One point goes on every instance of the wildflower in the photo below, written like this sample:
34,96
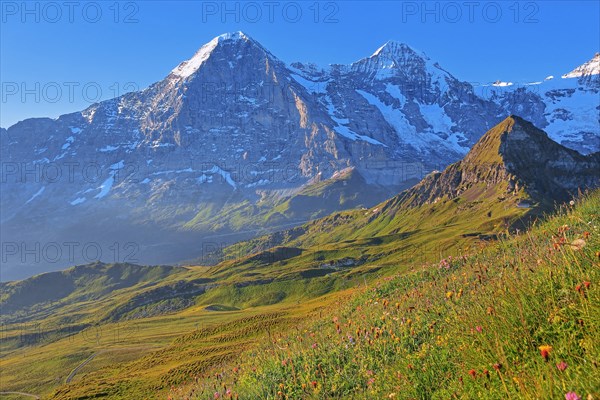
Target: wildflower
314,384
473,373
449,295
314,345
562,366
572,396
572,203
586,284
303,386
478,328
586,234
217,395
497,366
545,351
486,373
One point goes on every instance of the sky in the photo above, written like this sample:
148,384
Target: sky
58,57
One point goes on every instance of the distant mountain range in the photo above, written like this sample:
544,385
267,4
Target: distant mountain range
234,143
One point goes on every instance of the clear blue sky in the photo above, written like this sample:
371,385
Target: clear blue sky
91,45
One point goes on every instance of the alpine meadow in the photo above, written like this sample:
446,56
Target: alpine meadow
243,225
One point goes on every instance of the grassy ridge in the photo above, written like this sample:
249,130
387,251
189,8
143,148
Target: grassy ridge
516,319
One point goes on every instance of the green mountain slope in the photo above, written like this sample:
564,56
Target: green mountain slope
187,320
517,319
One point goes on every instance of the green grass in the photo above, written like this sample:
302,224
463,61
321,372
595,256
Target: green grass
263,295
471,327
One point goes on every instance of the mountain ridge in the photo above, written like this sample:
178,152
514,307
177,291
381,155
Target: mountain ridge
519,153
501,183
243,126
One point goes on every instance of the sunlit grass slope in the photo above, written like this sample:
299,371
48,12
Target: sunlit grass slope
516,319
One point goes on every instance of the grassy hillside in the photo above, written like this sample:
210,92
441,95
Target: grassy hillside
403,326
137,348
275,324
516,319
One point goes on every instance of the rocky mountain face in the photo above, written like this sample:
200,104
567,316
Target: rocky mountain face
223,146
518,159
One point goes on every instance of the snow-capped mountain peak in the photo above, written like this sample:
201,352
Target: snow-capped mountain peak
394,49
591,67
189,67
393,58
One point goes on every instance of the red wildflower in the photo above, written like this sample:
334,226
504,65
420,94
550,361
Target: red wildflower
545,351
473,373
562,366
